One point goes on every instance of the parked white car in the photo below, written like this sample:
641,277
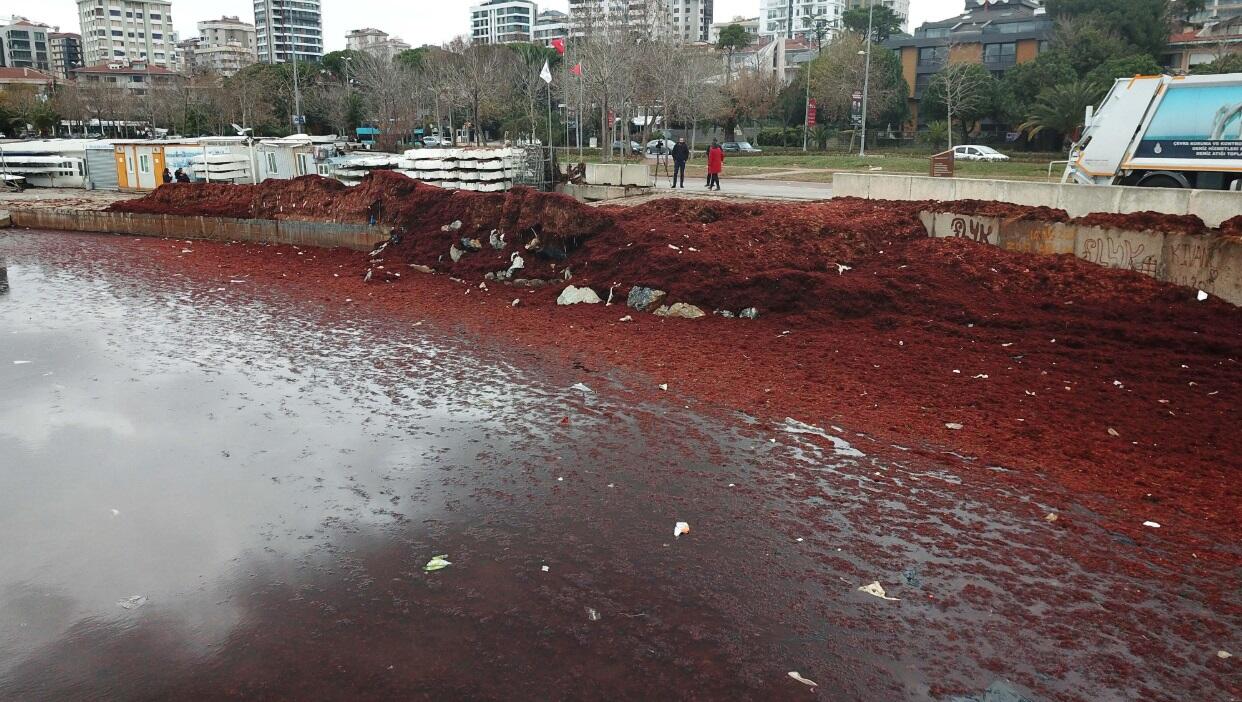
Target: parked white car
971,152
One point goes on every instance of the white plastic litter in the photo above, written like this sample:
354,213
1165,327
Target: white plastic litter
583,388
877,590
1113,432
593,615
20,363
1224,654
664,386
437,563
545,569
627,318
1202,296
953,425
1151,524
797,676
680,528
132,602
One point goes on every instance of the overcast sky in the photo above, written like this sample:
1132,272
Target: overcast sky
417,21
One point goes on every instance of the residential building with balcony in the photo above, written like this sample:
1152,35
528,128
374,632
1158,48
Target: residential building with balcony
24,44
375,42
652,18
503,22
799,18
23,78
692,19
133,30
224,46
66,50
549,25
137,77
750,24
1193,47
285,29
998,34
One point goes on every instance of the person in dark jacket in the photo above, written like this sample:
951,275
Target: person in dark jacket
681,154
168,176
715,164
182,176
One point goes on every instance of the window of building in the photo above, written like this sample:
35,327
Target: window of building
931,55
1000,53
144,163
271,162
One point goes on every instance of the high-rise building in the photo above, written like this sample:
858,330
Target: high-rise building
793,18
24,44
901,8
285,28
66,50
375,42
133,30
549,25
692,19
503,21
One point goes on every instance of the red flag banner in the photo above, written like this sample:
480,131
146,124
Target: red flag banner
576,70
559,45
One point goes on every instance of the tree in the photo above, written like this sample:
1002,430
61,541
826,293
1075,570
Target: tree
732,38
1143,24
751,96
1024,82
480,79
884,22
963,93
1061,109
1106,73
838,72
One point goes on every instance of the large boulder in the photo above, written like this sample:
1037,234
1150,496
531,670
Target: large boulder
643,299
574,295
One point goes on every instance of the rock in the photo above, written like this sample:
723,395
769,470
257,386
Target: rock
422,269
643,299
456,253
680,310
574,295
724,313
456,225
530,282
471,245
532,244
749,313
497,239
489,276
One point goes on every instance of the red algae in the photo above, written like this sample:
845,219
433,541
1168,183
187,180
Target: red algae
1119,387
1145,221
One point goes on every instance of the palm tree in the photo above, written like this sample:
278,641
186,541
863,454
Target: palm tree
1061,109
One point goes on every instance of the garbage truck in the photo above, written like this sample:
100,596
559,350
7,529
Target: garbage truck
1163,132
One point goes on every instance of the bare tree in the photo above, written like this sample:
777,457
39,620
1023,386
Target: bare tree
480,79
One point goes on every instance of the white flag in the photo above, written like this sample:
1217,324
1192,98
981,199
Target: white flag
546,73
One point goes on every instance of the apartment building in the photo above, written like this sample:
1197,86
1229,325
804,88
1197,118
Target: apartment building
134,30
66,50
692,19
799,18
24,44
645,17
750,24
503,21
224,47
999,36
375,42
549,25
288,28
137,77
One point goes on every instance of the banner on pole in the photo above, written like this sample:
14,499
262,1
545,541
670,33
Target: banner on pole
811,112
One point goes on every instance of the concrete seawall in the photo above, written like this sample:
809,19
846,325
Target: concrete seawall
1207,262
1212,206
359,237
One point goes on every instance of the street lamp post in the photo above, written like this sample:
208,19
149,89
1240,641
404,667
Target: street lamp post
821,27
867,75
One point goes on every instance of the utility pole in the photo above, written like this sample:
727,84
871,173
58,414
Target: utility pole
297,93
867,75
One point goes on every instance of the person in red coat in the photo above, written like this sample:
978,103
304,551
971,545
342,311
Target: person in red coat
715,163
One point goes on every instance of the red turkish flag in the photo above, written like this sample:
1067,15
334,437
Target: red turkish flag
576,70
559,45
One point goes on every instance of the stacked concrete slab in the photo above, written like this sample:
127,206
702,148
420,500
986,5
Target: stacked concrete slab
481,170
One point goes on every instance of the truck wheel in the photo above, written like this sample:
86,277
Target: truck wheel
1163,180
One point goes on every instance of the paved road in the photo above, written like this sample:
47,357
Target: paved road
757,188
